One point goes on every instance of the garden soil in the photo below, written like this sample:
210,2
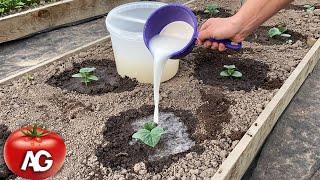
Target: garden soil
97,121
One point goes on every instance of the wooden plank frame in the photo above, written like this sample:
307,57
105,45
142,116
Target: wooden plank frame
242,155
53,15
240,158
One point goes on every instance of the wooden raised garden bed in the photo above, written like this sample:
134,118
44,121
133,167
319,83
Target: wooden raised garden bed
225,121
53,15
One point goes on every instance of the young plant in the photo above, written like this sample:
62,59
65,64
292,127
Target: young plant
86,75
230,71
150,134
29,77
278,31
309,7
212,9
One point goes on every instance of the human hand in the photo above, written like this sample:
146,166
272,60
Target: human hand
220,28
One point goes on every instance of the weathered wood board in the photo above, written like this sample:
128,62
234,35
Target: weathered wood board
22,24
54,15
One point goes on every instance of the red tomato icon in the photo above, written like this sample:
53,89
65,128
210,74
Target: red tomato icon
34,153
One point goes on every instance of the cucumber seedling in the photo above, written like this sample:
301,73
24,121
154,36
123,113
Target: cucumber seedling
212,9
309,7
150,134
278,31
230,71
86,75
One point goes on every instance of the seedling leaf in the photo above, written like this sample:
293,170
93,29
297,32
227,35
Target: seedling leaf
282,29
149,137
224,74
93,77
286,35
237,74
77,75
86,75
212,9
230,70
229,66
87,70
278,31
309,8
274,32
149,125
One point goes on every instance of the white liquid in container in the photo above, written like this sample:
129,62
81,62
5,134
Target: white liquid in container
173,38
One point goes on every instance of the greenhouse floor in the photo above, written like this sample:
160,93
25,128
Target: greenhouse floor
292,151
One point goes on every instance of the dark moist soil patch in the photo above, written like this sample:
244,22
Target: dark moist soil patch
118,132
213,113
210,64
203,15
5,173
116,153
109,79
236,135
261,36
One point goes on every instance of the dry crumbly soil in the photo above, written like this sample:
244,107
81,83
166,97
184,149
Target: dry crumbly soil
216,112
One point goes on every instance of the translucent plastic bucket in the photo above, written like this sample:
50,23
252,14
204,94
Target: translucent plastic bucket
133,59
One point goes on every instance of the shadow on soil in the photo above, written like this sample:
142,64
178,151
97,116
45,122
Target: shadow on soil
209,65
117,150
260,36
5,173
109,80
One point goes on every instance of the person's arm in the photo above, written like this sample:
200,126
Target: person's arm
250,16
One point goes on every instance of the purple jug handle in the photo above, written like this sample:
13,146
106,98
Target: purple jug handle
228,43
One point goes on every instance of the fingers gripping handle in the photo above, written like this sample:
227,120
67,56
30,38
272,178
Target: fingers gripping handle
228,43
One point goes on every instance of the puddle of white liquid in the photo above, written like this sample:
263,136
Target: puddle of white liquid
173,37
175,140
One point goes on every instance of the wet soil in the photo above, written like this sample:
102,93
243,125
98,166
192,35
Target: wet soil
109,79
118,133
261,36
209,65
5,173
213,113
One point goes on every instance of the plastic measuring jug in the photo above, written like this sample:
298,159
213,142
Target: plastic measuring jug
172,13
125,24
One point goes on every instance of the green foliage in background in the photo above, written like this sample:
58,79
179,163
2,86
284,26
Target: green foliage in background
8,5
212,9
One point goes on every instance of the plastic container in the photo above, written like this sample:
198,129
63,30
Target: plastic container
133,59
172,13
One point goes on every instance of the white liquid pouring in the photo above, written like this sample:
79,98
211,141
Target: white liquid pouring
173,37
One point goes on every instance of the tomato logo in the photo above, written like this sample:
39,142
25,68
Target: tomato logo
34,153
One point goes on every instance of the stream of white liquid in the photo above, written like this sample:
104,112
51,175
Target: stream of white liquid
173,37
